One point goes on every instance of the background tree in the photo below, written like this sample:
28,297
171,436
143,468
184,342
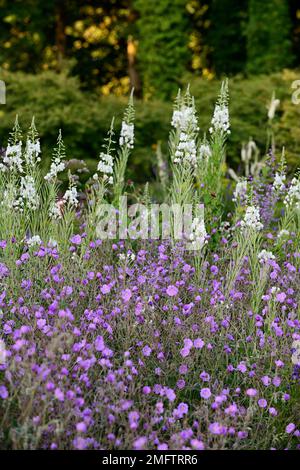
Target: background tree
269,43
200,25
163,34
227,36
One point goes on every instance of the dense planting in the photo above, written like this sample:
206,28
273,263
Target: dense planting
145,343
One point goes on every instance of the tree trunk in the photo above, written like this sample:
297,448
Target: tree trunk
60,37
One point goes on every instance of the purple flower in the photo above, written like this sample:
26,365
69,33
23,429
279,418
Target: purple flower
205,376
3,244
205,393
184,352
266,380
198,343
3,392
81,427
181,410
172,291
281,297
76,239
105,289
99,343
162,446
59,394
273,411
290,428
262,403
4,271
170,394
217,428
197,445
146,351
140,443
251,392
126,295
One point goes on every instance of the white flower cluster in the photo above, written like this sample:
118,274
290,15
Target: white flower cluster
57,166
127,135
35,240
128,257
71,196
106,166
296,352
55,211
32,152
279,182
240,191
28,194
283,234
186,150
220,120
13,158
198,233
293,195
52,243
185,119
204,152
264,256
252,219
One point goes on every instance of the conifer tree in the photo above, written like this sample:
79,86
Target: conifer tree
163,52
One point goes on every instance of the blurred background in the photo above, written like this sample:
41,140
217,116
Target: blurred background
72,64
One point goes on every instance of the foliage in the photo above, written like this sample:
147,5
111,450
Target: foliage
163,38
269,42
228,53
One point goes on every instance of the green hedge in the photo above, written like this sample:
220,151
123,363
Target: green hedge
57,101
249,102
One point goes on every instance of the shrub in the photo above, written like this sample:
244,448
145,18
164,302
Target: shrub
58,102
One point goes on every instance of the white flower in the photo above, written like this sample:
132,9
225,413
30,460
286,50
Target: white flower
264,256
274,290
198,233
128,257
185,119
127,135
28,194
55,211
293,196
186,150
52,243
13,157
33,149
106,166
252,219
2,352
57,166
220,120
204,152
283,233
35,240
279,182
71,196
240,191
